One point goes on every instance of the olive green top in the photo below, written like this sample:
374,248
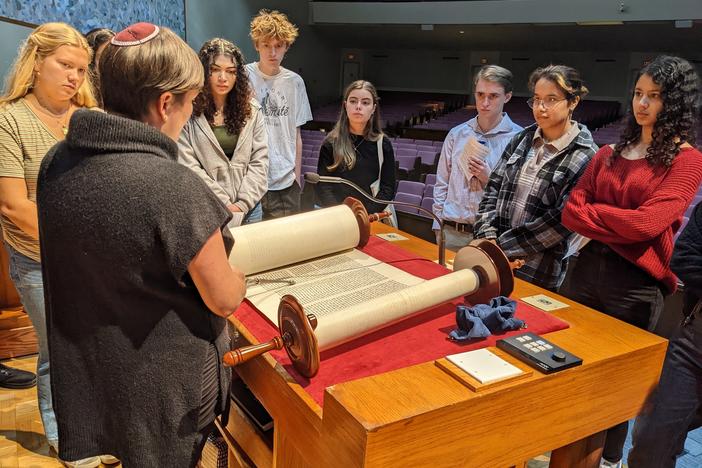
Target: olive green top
225,139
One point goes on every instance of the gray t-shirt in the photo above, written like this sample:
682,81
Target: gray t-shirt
285,106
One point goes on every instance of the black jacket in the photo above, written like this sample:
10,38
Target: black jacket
687,259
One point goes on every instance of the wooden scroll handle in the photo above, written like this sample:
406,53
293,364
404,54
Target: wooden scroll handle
491,265
297,337
362,219
378,216
241,355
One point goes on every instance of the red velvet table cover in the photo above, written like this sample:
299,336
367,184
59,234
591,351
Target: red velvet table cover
419,339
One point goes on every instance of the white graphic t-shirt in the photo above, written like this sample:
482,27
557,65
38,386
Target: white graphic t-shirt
285,106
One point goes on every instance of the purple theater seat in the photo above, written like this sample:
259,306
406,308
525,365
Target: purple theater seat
407,198
406,152
427,204
408,186
427,157
430,179
406,163
423,143
428,190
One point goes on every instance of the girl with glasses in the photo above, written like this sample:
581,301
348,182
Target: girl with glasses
524,197
631,201
225,142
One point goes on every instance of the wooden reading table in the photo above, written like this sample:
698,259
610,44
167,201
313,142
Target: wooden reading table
422,416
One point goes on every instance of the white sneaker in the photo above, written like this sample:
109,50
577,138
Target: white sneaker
109,460
604,463
90,462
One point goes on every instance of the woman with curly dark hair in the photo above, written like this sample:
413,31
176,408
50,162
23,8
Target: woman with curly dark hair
630,202
225,141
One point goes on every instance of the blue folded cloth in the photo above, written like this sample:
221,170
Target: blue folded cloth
482,320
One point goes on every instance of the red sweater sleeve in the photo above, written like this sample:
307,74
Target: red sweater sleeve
611,224
666,205
579,215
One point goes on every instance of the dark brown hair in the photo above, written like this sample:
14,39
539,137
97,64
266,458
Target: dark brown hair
565,77
676,122
237,108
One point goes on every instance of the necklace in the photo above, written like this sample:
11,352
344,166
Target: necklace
60,119
218,117
355,147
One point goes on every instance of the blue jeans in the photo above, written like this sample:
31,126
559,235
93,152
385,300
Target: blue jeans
660,430
26,276
255,215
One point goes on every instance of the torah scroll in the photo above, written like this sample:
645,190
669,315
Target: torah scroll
310,256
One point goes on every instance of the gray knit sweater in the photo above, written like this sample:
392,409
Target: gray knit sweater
119,222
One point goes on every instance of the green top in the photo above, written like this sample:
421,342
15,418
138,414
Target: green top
225,139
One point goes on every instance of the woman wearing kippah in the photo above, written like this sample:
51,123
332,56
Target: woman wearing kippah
524,197
225,142
631,201
138,284
46,85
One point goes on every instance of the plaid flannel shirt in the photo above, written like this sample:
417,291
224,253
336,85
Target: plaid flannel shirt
542,241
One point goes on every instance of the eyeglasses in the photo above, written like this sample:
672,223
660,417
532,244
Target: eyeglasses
226,73
548,102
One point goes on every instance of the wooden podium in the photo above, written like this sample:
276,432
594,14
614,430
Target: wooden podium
17,337
422,416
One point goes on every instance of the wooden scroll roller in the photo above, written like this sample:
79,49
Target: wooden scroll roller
283,241
481,272
296,336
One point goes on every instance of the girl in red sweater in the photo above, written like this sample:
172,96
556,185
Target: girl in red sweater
630,202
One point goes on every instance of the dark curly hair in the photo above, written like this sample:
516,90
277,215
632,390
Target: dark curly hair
675,123
237,108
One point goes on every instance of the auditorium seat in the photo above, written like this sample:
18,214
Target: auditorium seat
407,198
407,167
408,186
406,152
427,203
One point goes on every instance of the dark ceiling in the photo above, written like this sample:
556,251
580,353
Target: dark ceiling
650,36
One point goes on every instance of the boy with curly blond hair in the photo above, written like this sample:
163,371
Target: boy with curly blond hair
283,97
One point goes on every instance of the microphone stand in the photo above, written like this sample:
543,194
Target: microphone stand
314,178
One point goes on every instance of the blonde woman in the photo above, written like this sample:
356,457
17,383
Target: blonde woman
46,85
357,150
138,282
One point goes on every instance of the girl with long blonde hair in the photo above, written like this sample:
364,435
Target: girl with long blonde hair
47,83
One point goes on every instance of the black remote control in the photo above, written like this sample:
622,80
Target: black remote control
538,353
